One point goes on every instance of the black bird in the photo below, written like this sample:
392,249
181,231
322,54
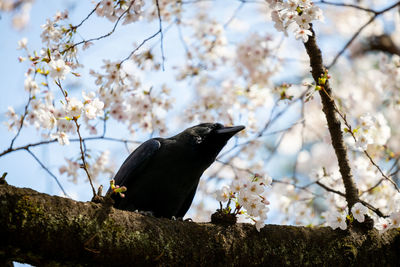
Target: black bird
162,175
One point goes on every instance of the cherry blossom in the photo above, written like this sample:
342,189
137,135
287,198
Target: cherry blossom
337,220
58,69
229,71
358,211
62,138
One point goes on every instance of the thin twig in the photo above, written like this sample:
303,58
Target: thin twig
161,35
373,187
372,208
103,36
21,121
357,33
93,138
141,44
380,171
48,171
343,117
303,126
181,38
346,5
226,24
87,17
269,122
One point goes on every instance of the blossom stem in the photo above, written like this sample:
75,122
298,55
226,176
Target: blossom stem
84,164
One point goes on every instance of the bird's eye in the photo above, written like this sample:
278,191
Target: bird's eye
218,126
199,140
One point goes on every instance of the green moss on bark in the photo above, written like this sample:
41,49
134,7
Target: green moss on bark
46,230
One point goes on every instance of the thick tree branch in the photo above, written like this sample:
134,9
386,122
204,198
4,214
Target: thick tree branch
383,43
357,33
334,125
45,230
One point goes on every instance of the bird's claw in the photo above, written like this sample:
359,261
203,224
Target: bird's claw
145,212
180,219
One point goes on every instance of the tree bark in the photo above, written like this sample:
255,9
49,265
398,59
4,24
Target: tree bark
334,124
45,230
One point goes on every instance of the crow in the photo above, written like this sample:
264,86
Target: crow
162,174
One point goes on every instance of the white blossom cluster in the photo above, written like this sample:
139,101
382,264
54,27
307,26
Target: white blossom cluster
248,195
169,10
386,199
54,118
99,165
337,219
22,11
126,102
42,114
372,130
112,10
232,79
212,105
253,57
295,16
52,30
207,46
390,67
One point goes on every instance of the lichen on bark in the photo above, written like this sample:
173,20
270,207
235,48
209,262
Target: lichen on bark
48,230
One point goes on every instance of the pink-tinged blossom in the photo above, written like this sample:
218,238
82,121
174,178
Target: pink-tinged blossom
61,15
93,106
71,169
303,34
111,10
382,224
21,19
101,165
62,138
50,32
14,120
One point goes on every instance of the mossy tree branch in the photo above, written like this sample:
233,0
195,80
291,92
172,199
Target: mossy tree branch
334,124
47,230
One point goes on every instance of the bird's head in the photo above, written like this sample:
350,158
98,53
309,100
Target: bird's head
210,138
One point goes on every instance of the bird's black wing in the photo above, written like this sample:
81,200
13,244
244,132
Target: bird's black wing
136,160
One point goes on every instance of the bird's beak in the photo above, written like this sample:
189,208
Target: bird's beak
230,131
